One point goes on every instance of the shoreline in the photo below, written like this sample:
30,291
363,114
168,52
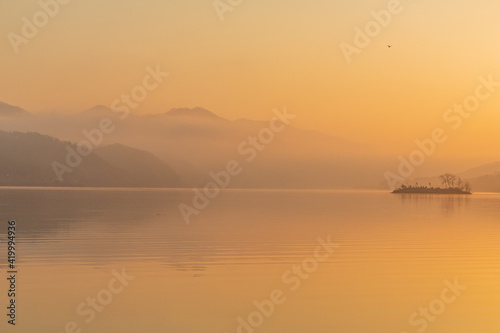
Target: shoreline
431,191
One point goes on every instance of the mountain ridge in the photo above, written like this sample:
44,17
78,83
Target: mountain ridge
28,159
7,110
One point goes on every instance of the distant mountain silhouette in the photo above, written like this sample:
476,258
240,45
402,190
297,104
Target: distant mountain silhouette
482,170
195,142
142,168
97,111
7,110
26,160
486,183
484,178
194,112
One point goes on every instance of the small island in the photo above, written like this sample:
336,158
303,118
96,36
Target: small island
452,185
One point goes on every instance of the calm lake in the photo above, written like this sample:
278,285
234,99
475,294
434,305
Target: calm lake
123,260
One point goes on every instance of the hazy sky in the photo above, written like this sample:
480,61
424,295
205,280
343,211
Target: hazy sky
266,54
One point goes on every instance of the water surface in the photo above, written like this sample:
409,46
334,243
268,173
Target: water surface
395,254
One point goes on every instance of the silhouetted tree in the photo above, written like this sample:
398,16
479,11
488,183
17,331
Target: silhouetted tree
448,179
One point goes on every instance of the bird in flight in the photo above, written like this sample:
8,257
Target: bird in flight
389,46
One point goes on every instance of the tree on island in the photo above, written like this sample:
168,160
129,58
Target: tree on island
450,180
452,185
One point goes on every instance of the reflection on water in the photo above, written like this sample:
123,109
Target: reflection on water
450,203
395,252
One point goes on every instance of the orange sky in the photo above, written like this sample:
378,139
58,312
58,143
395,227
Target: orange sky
266,54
